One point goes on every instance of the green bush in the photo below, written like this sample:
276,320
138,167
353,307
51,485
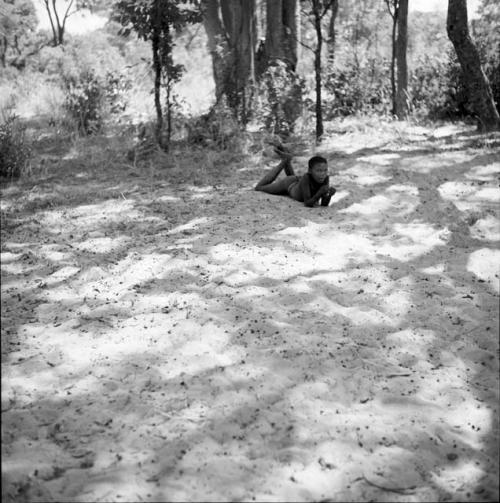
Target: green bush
428,84
353,89
15,151
85,101
279,103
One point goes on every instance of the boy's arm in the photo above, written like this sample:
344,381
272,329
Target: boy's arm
325,200
311,200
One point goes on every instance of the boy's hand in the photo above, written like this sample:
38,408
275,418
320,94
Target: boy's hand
323,190
331,191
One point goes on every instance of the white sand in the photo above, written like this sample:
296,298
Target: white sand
218,344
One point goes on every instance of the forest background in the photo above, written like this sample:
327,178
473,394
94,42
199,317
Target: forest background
80,82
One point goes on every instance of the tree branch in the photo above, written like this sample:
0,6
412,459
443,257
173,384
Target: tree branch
55,14
388,3
66,15
54,33
326,9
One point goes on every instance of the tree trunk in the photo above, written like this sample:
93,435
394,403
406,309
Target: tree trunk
331,34
218,46
282,32
317,69
52,26
478,87
155,42
401,102
231,42
4,44
394,16
291,28
239,22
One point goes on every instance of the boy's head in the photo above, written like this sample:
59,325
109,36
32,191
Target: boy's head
318,167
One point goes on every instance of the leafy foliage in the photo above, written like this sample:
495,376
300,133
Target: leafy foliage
84,101
89,98
355,89
487,38
58,13
279,101
156,21
17,29
15,151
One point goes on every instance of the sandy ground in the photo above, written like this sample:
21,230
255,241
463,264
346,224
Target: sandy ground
171,340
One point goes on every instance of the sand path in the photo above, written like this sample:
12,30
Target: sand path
165,340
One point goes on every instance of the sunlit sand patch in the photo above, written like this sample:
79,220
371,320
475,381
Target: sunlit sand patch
367,175
18,268
135,269
469,197
484,264
412,240
396,302
357,315
333,248
437,269
464,474
6,257
448,130
402,199
260,261
190,226
103,245
486,229
380,159
341,194
487,172
168,199
372,206
62,274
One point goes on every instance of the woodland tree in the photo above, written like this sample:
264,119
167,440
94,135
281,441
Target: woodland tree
156,21
398,9
59,11
331,33
231,31
476,82
281,32
17,22
316,12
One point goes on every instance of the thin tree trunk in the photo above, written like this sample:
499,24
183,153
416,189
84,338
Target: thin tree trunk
401,102
155,41
477,84
52,26
3,51
331,34
394,16
317,69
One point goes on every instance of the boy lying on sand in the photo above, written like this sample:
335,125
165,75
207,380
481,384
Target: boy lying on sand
309,188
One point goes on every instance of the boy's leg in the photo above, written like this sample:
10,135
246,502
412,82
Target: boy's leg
279,188
286,157
288,167
271,175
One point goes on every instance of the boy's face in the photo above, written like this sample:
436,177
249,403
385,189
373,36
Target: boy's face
319,172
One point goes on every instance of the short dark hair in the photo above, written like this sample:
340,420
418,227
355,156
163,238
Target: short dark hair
317,159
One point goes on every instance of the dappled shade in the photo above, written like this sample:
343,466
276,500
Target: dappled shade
166,341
